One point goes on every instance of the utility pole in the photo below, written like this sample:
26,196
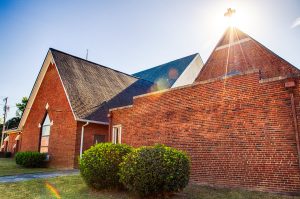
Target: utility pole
4,119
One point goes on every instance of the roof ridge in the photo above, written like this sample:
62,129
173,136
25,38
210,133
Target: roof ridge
92,62
165,63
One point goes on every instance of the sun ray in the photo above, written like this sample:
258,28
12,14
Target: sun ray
242,50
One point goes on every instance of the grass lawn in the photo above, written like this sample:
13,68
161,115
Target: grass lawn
74,187
8,167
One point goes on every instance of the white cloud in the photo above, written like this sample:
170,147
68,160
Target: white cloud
296,23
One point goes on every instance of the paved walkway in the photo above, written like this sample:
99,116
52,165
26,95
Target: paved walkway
31,176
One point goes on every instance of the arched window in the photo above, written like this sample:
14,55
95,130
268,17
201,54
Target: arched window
45,135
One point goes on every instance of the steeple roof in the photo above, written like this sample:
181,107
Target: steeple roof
237,52
162,72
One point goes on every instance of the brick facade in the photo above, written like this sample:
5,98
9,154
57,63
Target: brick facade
13,146
239,57
89,132
65,132
239,132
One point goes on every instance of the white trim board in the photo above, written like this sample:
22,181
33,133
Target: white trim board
92,121
48,60
191,72
119,138
65,90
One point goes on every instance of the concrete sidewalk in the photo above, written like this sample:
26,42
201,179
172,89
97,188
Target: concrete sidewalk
24,177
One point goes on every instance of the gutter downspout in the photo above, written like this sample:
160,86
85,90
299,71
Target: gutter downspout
82,134
110,126
296,126
289,85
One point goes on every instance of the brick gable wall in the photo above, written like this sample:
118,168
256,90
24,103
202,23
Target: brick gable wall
238,132
63,131
230,57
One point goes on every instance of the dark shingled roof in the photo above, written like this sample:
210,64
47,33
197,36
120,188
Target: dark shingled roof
94,89
167,73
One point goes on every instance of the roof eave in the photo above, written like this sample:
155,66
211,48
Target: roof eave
92,121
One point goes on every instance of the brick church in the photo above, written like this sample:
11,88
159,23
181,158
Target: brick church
237,116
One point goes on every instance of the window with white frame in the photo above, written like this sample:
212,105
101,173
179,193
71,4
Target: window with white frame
117,134
45,134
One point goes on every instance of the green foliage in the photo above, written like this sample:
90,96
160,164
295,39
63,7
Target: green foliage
21,106
99,165
31,159
12,123
151,171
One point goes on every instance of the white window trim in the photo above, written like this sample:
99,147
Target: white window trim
41,126
114,138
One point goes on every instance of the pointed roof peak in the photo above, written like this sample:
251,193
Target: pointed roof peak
162,72
237,52
231,35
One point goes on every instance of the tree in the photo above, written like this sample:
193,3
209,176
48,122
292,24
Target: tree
21,106
10,124
14,122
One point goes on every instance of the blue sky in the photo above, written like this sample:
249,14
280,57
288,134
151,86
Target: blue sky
131,35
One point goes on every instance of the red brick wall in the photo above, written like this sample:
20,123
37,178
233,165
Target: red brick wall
238,132
12,142
242,57
63,131
89,132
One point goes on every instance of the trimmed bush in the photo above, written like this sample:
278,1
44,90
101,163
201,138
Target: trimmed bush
99,165
31,159
156,170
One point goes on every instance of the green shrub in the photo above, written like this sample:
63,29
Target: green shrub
99,165
31,159
156,170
